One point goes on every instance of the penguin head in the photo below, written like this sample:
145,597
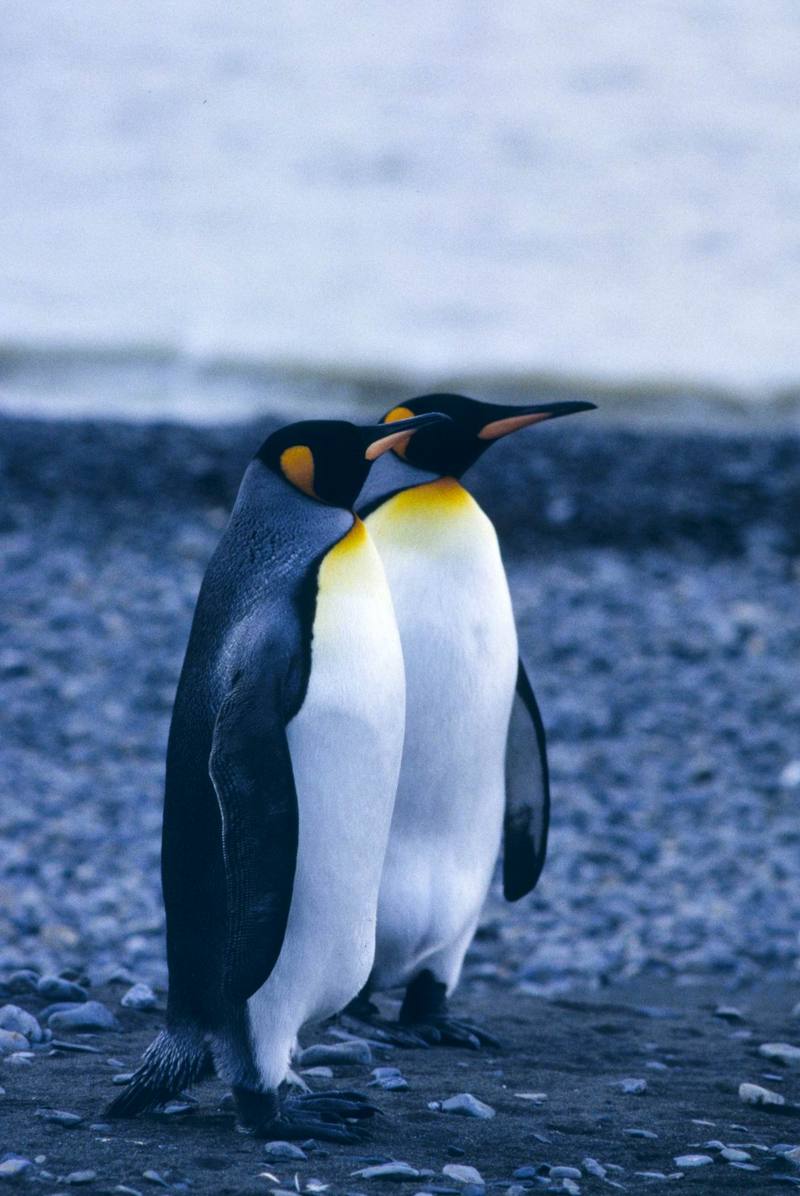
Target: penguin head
329,460
450,447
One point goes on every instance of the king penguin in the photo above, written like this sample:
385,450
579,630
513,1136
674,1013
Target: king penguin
282,764
470,713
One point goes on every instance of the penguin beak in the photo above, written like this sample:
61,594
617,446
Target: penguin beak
521,417
380,438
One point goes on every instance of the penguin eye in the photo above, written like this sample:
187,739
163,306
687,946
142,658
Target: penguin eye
395,414
297,464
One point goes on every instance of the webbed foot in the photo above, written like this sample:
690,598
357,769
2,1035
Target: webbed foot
333,1116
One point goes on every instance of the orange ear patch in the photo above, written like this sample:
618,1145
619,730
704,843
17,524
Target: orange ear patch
398,413
399,445
297,464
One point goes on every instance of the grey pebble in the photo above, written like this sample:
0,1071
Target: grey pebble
122,1077
592,1167
11,1041
630,1087
14,1018
59,1117
153,1177
284,1150
692,1160
465,1104
81,1177
633,1132
733,1155
101,1127
139,996
54,988
754,1094
124,1190
24,980
390,1079
92,1015
392,1171
462,1173
353,1051
16,1165
565,1173
729,1013
781,1052
650,1174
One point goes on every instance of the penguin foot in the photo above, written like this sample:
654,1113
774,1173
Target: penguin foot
442,1030
391,1033
329,1116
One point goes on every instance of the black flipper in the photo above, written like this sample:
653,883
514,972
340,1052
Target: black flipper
251,770
527,814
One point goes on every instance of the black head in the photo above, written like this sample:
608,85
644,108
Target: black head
451,447
329,459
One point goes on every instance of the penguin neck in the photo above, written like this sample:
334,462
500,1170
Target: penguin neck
278,519
389,477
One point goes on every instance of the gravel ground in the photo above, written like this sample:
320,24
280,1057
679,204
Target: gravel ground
655,577
586,1096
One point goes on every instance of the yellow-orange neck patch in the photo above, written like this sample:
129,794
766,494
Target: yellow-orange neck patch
394,415
297,464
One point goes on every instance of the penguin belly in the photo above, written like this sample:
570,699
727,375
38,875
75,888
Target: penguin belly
346,746
453,609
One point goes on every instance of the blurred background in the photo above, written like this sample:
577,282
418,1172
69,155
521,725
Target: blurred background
217,216
209,212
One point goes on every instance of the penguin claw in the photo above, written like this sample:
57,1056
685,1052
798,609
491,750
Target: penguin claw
336,1104
288,1126
390,1033
453,1032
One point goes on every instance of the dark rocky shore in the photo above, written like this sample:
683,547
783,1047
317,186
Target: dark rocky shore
655,577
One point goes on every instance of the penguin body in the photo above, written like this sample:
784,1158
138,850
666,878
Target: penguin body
282,764
459,640
474,768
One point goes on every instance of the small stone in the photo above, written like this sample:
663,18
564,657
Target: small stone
14,1166
650,1174
11,1041
526,1172
54,988
463,1174
781,1052
353,1051
81,1177
393,1170
19,1020
390,1079
284,1150
692,1160
126,1191
153,1177
319,1073
734,1155
656,1065
729,1013
630,1087
139,996
467,1105
569,1185
20,1058
122,1077
92,1015
592,1167
59,1117
564,1173
24,980
637,1133
792,1155
178,1108
101,1127
535,1098
745,1166
754,1094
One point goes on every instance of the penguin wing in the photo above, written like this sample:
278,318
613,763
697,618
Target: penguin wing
251,771
527,815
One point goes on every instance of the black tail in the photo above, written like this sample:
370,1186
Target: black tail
173,1061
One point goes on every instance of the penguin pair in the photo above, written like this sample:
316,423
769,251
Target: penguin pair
283,841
